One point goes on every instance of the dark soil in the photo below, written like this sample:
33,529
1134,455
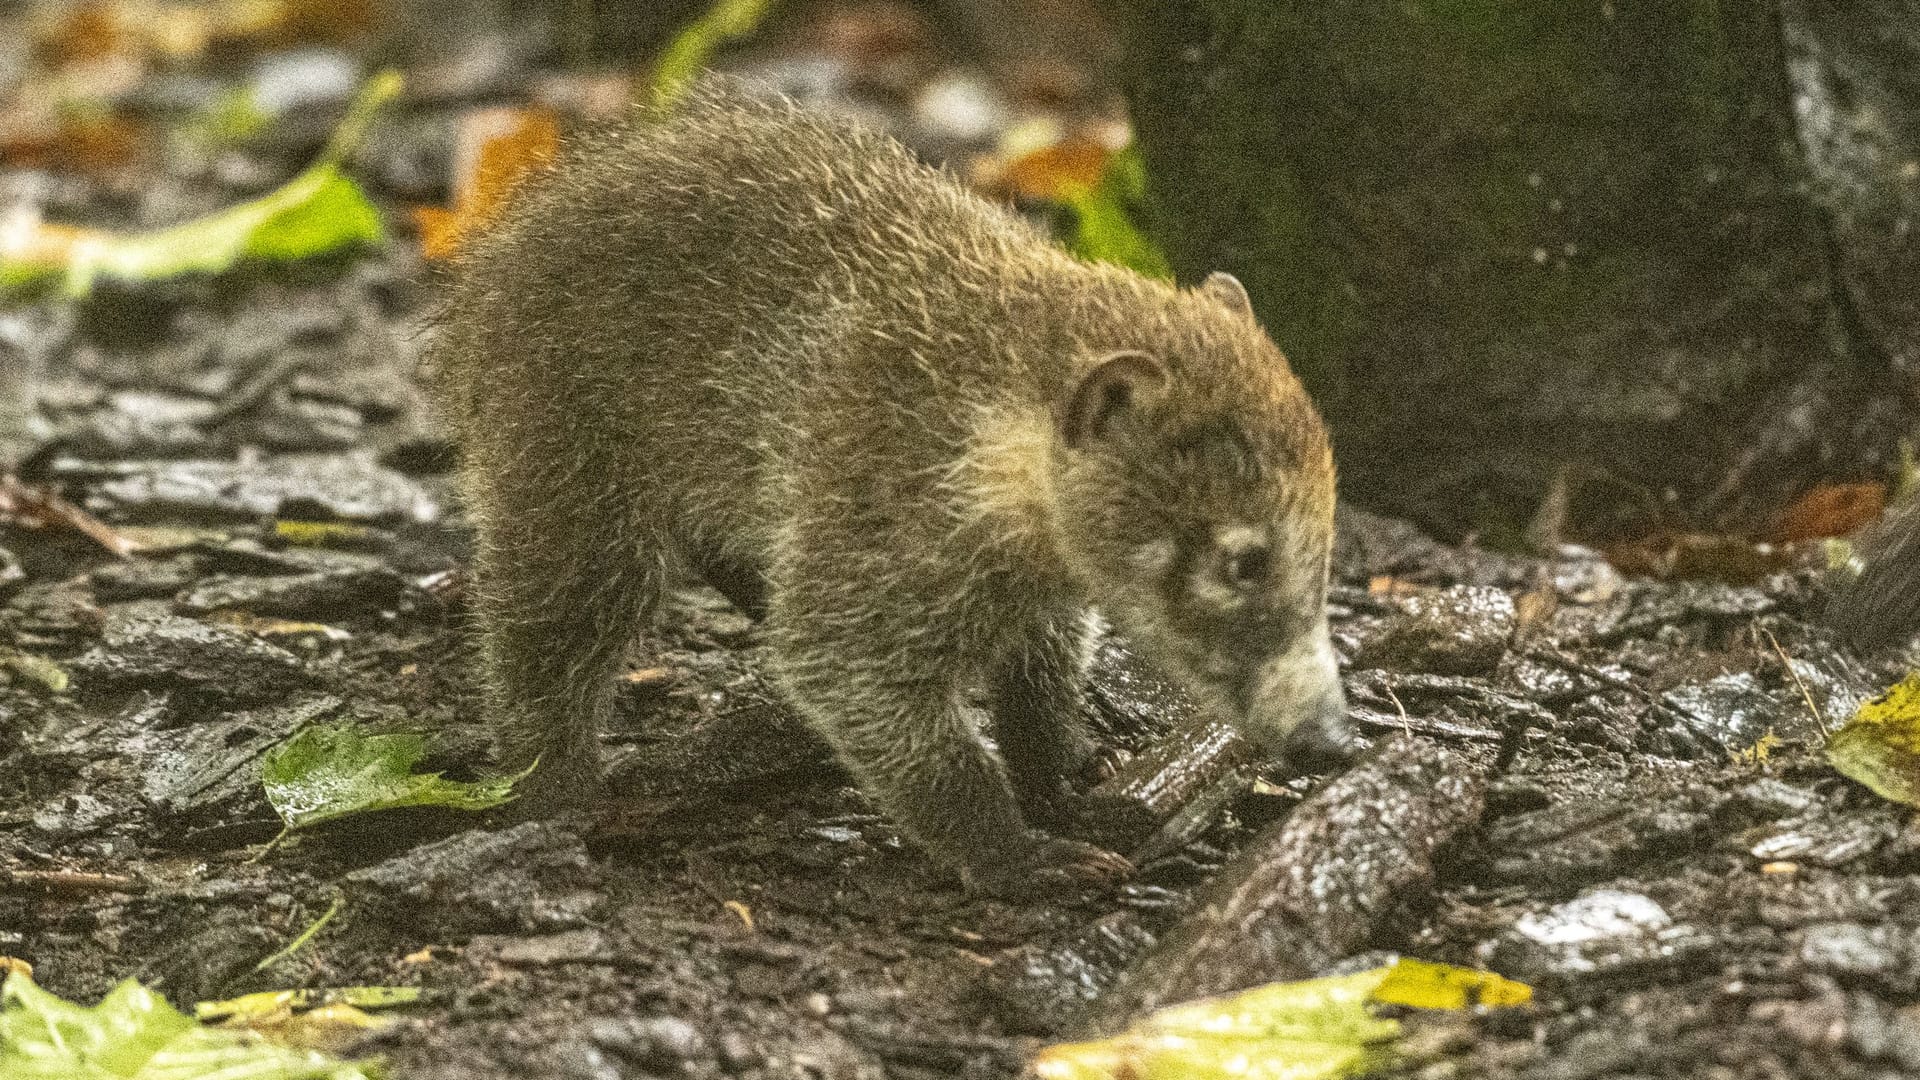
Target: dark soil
1684,905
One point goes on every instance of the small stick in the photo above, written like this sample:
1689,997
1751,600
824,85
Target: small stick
21,500
70,882
1805,695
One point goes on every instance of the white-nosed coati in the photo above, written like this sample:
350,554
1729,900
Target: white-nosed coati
902,425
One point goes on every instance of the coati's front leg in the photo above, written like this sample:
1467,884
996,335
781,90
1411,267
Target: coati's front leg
1034,693
888,699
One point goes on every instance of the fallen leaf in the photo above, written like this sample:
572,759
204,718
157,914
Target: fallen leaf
1736,560
1880,746
494,151
325,773
39,669
133,1034
344,1006
177,32
321,534
268,627
1418,984
1061,171
1319,1029
1104,229
83,32
1760,752
316,213
1830,510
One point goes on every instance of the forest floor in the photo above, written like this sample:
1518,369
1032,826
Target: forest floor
1664,854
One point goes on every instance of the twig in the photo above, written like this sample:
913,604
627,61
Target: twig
45,507
306,936
1568,663
1805,695
255,387
71,882
1406,723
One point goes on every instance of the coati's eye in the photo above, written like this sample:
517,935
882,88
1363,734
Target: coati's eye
1246,557
1249,567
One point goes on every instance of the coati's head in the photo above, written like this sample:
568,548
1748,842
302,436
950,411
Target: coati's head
1194,487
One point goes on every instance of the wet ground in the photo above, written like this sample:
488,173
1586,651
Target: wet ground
1661,851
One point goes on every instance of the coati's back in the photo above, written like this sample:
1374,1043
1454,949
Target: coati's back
732,233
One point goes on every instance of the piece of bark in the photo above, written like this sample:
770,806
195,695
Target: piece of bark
1131,806
1313,888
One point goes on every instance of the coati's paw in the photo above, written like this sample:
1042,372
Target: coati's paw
1049,866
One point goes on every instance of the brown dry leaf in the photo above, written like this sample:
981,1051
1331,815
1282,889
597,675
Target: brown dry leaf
86,142
883,43
1388,585
177,31
495,150
1733,559
1830,510
84,32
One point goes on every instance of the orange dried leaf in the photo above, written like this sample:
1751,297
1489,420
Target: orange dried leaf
1830,510
495,151
1058,172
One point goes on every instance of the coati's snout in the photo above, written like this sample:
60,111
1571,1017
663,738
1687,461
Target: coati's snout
1296,709
1203,527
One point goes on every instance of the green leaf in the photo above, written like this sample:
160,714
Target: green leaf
1104,229
688,53
325,773
133,1034
1319,1029
318,212
271,1003
1880,746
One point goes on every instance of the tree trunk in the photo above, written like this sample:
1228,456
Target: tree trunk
1656,250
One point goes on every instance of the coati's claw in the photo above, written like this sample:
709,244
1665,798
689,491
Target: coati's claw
1102,764
1051,866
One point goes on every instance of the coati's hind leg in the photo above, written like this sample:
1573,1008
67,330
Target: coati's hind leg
564,582
1034,693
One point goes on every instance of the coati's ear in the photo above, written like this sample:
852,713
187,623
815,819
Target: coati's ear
1107,393
1227,289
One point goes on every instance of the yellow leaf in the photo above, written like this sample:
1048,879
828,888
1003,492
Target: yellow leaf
1421,985
1880,746
1318,1029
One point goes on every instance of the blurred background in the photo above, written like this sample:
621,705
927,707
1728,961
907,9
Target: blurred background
1640,276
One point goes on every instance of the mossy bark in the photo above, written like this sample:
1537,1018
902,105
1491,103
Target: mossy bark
1506,241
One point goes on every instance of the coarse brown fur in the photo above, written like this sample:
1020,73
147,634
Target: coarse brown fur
901,424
